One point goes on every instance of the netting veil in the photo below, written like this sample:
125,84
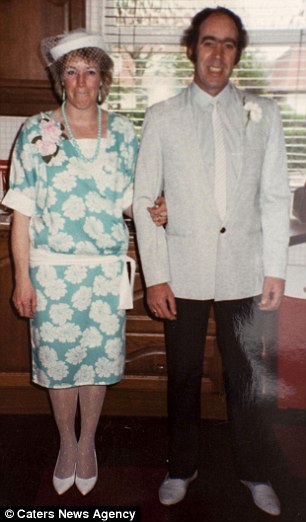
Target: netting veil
89,46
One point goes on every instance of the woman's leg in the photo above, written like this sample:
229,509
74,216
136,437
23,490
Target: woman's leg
64,403
91,402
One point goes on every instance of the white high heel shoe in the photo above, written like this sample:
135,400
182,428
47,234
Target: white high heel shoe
86,485
61,485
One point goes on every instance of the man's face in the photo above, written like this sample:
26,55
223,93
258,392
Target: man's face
216,53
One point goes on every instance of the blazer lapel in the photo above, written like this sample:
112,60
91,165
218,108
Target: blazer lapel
239,119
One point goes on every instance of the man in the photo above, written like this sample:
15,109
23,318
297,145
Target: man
219,156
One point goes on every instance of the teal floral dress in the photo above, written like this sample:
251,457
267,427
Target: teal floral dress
79,242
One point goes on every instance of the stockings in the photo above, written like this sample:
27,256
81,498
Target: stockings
82,454
91,402
64,403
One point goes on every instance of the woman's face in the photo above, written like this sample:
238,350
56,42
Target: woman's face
82,81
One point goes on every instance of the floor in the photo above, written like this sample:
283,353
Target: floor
132,456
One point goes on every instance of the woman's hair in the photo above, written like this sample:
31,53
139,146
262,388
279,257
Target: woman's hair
91,55
191,35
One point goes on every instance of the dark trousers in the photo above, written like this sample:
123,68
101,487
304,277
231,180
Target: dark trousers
240,327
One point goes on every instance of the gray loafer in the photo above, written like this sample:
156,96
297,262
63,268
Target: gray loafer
173,490
264,497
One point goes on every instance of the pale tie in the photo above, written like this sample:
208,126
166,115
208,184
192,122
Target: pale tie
220,162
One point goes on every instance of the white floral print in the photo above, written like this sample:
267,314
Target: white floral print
95,202
40,376
91,338
109,324
81,298
106,241
55,289
76,355
117,232
94,227
112,270
60,313
58,371
77,333
26,161
75,273
86,247
50,199
105,367
64,181
45,274
74,208
61,242
104,286
68,332
85,374
54,221
48,332
41,301
47,356
99,308
113,348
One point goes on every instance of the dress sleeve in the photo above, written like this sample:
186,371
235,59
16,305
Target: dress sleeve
23,175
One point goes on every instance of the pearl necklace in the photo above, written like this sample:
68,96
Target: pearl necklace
74,141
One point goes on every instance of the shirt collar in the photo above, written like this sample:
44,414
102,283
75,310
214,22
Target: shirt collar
204,100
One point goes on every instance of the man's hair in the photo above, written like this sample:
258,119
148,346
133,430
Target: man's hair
191,35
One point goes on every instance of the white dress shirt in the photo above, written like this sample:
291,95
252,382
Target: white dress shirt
203,120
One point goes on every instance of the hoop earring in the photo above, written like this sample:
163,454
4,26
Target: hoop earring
63,95
100,96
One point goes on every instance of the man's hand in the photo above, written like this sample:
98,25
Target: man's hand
272,292
161,301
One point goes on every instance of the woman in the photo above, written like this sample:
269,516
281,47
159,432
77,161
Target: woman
71,181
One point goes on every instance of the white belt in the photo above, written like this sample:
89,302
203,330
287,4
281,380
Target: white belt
41,257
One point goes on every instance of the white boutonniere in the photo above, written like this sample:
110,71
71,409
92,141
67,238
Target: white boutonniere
254,111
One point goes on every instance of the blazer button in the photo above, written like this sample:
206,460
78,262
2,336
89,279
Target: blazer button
223,229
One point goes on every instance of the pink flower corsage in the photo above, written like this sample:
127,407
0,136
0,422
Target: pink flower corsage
47,143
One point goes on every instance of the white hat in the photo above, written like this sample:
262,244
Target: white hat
77,40
54,47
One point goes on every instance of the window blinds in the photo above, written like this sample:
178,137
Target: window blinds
150,64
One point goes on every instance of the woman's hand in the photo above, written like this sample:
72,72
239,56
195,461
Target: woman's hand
158,213
24,296
24,299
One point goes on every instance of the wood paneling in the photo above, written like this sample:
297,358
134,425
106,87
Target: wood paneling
14,353
24,84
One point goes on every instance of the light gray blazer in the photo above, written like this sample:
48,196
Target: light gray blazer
192,254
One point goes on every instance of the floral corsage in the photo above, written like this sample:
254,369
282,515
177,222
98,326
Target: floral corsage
254,111
47,143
